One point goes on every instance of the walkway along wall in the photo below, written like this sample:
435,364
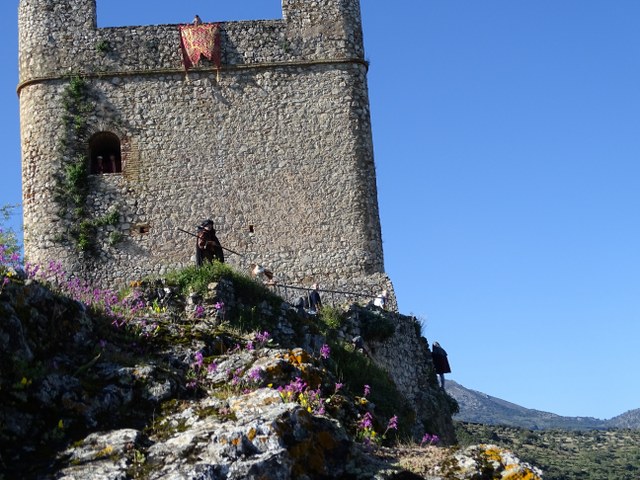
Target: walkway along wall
275,147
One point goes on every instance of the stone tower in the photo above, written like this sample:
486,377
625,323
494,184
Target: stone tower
275,146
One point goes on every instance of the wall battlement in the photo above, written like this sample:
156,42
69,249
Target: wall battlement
276,147
63,39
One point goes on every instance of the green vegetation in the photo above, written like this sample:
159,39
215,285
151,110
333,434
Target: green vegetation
71,182
331,319
8,238
103,46
194,279
565,455
72,186
252,298
356,370
376,327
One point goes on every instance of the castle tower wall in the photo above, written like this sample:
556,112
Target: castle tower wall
275,147
51,33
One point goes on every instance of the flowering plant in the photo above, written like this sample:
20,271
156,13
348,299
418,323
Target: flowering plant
199,311
244,383
429,439
197,373
9,261
366,432
368,435
299,391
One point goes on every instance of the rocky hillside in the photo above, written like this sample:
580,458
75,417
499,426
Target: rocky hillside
565,454
207,375
630,419
478,407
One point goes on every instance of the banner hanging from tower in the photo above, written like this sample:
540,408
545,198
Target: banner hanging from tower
198,41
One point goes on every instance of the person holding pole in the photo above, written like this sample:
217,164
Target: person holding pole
208,246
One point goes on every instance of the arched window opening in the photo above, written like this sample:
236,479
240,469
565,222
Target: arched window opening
105,155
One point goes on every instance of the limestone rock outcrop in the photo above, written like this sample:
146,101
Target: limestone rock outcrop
183,390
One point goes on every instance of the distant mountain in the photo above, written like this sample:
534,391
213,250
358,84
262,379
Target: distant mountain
478,407
630,419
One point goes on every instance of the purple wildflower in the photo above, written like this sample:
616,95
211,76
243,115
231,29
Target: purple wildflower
367,421
255,375
325,351
199,312
236,377
199,360
429,439
262,337
31,270
367,390
212,367
393,423
298,385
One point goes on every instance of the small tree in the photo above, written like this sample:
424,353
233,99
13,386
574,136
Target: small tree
8,237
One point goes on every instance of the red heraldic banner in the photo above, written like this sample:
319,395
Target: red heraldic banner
200,40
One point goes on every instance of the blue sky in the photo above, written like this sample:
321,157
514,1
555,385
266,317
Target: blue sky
506,140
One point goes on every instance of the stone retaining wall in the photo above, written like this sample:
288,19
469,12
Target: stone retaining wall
406,357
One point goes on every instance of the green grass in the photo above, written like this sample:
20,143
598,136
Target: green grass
193,279
197,279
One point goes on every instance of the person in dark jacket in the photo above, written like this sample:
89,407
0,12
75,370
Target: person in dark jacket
208,246
440,361
315,302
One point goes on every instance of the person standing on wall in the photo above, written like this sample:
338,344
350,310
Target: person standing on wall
208,246
381,300
315,302
440,362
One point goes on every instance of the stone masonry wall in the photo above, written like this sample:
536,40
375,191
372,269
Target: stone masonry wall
406,357
275,148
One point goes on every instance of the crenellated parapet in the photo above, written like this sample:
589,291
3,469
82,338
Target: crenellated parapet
61,37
